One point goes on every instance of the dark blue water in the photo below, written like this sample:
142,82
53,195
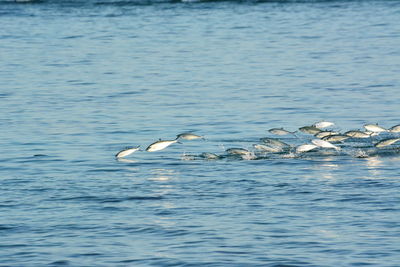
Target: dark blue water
81,80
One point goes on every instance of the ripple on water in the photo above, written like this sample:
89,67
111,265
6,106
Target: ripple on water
108,74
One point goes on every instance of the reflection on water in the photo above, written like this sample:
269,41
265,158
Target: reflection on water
164,208
162,174
166,186
374,165
126,160
329,168
325,234
374,162
76,93
329,163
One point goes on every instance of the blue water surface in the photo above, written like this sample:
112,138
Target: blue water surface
81,80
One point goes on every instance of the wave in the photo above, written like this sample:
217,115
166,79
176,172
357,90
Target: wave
151,2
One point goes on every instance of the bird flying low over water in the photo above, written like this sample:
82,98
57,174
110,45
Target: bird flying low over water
160,145
127,151
189,136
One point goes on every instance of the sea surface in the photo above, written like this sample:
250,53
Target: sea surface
82,80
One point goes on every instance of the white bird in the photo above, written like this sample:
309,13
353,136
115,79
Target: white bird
325,144
160,145
127,151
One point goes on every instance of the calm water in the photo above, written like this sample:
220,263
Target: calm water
81,81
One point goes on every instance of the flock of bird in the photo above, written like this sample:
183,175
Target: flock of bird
323,137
